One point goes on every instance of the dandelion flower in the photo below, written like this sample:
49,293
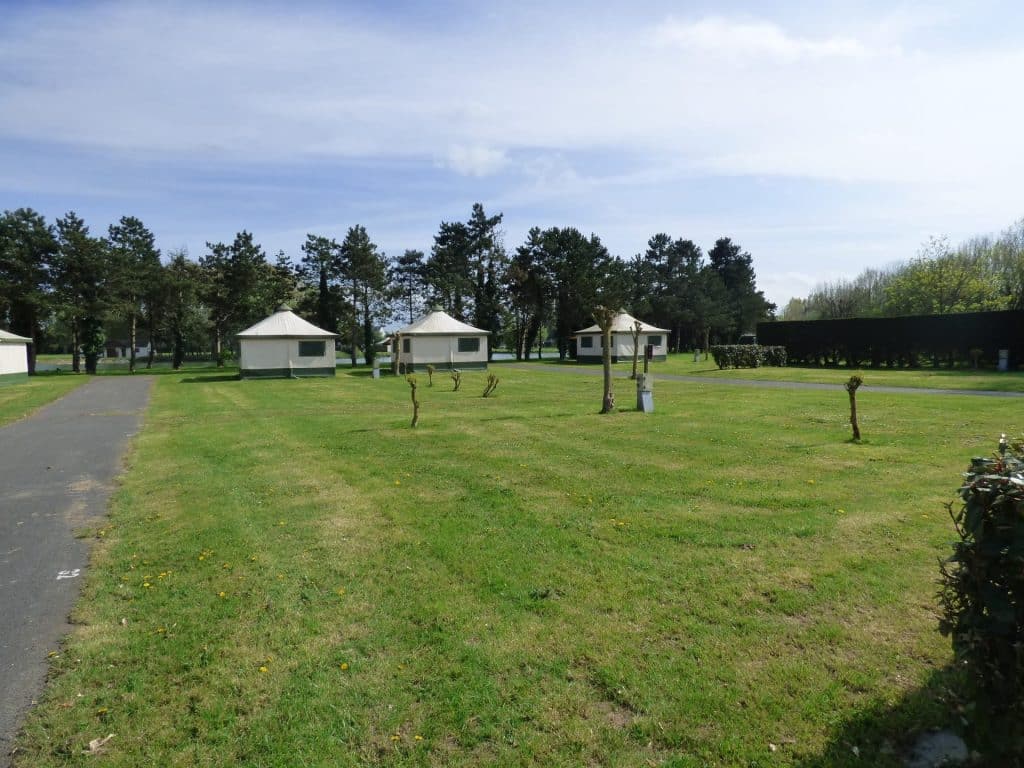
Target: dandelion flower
396,737
263,669
344,666
221,594
147,585
418,737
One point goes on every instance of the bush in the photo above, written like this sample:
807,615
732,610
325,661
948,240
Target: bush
982,597
774,356
747,355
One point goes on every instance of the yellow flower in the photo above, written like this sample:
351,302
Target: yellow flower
221,594
341,590
398,482
418,737
344,666
396,737
263,669
146,585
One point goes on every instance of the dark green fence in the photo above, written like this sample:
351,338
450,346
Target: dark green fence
968,339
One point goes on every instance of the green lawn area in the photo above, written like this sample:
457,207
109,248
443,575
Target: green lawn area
19,399
292,576
930,378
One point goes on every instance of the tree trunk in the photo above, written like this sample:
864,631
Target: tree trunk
853,414
151,325
608,400
636,348
76,345
217,356
178,355
415,402
131,343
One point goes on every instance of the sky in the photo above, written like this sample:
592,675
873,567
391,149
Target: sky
823,138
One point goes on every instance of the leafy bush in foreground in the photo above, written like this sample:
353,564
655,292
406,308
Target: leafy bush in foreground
982,597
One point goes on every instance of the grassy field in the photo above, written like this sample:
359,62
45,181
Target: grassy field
22,398
929,378
292,576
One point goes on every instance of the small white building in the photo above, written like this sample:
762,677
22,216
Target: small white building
440,340
285,346
13,357
588,341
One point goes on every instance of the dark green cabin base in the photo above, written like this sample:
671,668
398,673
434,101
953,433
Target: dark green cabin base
285,373
442,367
12,378
588,359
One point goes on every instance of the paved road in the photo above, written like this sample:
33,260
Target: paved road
56,472
596,370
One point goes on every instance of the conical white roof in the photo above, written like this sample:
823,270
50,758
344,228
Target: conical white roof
439,323
6,337
623,323
285,324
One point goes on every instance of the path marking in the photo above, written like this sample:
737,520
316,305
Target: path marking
72,574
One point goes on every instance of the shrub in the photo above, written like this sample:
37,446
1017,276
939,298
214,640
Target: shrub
774,356
982,596
747,355
736,355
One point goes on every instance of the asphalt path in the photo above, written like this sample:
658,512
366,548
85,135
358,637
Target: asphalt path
57,469
596,370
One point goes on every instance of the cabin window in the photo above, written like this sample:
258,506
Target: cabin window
312,348
407,345
654,340
469,344
586,342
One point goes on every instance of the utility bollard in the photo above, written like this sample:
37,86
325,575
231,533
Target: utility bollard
644,393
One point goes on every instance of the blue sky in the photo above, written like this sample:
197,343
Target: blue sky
823,137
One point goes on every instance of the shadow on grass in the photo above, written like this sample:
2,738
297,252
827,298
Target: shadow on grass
211,379
885,734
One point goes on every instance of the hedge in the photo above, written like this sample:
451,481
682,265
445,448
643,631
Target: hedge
747,355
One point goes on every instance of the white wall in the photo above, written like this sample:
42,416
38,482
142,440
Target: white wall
440,350
622,345
13,358
326,360
259,354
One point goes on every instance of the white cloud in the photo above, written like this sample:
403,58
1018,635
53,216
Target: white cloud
475,160
724,37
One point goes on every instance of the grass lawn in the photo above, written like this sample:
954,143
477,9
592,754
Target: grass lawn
930,378
292,576
20,399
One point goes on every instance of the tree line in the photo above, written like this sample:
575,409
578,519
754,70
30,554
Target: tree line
980,274
71,290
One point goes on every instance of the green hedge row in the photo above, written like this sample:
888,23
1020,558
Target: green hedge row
747,355
982,598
